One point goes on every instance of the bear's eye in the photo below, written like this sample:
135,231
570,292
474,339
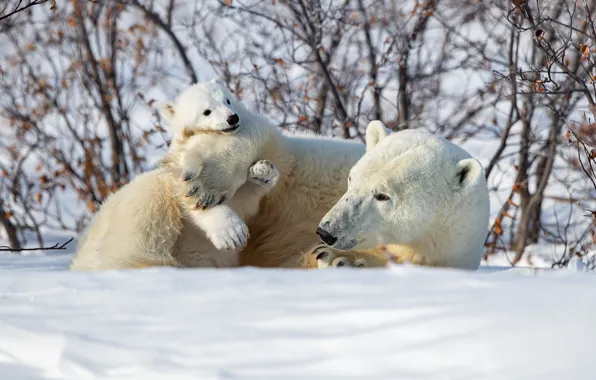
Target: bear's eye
350,179
228,100
207,112
381,197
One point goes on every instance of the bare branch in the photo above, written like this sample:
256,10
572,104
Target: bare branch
55,247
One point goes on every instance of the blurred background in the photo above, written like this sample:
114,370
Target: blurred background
512,82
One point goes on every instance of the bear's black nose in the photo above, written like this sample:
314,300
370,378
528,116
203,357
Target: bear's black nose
326,236
233,119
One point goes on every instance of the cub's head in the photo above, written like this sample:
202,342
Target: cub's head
205,107
407,183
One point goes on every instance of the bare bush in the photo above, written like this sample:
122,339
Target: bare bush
72,82
550,78
81,86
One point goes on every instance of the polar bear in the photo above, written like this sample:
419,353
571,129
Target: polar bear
217,140
422,197
312,172
312,175
149,222
157,220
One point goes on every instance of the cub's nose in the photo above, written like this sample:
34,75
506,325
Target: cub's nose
233,119
326,236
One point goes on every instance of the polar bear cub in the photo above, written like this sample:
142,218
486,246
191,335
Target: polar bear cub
157,218
418,194
231,139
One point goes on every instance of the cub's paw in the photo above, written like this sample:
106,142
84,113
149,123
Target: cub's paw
263,173
329,258
204,198
231,234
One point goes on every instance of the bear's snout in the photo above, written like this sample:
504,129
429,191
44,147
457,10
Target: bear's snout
233,119
326,236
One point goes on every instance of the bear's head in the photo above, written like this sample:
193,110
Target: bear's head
205,107
408,186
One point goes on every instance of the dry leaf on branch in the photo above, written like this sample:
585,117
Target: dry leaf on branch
498,229
279,61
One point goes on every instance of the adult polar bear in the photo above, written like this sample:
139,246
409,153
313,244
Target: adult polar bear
421,195
149,222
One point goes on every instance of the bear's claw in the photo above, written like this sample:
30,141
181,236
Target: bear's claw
188,176
208,201
192,191
326,258
322,255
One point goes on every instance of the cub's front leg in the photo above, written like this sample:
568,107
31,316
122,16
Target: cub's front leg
210,182
221,224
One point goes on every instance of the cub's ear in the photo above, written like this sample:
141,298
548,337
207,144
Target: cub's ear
219,82
167,111
468,172
375,132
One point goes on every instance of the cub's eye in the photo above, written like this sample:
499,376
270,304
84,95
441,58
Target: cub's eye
228,101
207,112
349,179
381,197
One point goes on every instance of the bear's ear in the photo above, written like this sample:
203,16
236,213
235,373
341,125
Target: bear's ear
219,82
468,172
375,132
167,111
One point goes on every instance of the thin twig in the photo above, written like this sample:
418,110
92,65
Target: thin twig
54,247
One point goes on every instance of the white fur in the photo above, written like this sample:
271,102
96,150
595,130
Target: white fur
313,173
188,110
312,177
222,225
429,216
152,221
375,132
209,165
213,162
148,222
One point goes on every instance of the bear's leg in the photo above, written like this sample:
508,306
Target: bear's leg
322,257
222,226
211,181
264,174
198,192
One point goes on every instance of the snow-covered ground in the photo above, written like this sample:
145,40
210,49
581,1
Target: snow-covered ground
402,322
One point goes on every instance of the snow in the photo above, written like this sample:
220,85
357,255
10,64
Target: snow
401,322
